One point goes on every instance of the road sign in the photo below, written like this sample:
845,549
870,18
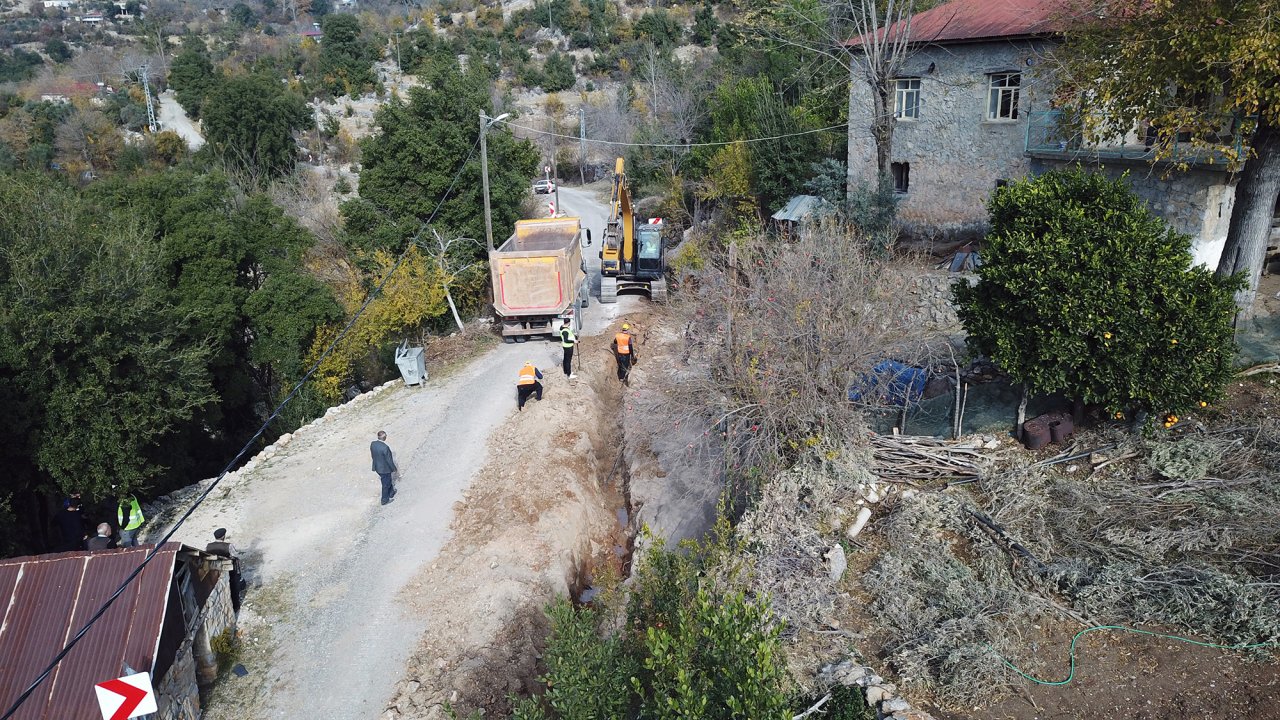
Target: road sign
128,697
551,207
546,169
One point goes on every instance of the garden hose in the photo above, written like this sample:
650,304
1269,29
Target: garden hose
1071,675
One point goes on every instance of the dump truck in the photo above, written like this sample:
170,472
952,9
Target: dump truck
539,279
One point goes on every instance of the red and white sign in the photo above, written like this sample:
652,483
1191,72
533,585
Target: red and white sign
128,697
551,208
655,221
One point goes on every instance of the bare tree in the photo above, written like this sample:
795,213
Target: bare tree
784,330
872,39
446,259
675,93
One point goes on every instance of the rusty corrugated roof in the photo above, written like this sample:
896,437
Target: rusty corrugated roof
961,21
46,599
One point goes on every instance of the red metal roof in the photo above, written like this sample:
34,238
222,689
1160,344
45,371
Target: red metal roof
961,21
46,599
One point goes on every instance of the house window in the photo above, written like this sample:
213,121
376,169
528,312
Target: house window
901,176
906,99
1002,99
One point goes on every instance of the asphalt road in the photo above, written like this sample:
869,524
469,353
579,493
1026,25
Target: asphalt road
173,117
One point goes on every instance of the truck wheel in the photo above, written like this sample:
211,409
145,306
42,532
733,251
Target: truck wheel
608,290
586,298
508,339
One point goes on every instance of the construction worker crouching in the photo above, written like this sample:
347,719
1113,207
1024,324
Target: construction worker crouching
528,385
624,349
567,341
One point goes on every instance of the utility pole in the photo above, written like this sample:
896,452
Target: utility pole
485,123
582,144
399,72
146,90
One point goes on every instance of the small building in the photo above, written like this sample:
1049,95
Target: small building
164,623
90,19
799,210
972,110
314,35
57,4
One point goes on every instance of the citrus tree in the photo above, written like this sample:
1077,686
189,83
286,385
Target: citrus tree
1084,291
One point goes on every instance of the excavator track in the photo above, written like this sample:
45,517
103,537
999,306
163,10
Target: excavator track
608,290
658,291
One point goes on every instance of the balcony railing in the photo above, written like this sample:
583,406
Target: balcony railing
1049,137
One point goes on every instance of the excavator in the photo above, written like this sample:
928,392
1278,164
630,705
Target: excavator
632,256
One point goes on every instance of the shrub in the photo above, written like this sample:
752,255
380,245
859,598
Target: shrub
1084,291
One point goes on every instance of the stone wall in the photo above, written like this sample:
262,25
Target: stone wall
177,694
1195,202
955,154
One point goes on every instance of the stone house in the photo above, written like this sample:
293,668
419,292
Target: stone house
972,111
163,623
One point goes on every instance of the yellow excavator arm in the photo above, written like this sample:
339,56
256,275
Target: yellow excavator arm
619,236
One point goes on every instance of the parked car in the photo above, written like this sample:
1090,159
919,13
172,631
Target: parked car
543,187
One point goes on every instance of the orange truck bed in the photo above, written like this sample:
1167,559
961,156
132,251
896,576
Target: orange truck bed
537,276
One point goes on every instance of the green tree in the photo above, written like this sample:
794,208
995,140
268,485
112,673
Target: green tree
346,59
557,73
249,122
57,49
705,25
658,27
1084,291
88,341
321,8
743,108
243,15
1191,67
409,165
192,76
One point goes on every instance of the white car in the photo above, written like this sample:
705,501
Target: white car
543,187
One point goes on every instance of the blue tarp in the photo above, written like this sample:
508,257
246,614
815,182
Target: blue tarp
891,382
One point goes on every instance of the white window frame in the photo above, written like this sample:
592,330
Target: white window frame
1003,96
903,90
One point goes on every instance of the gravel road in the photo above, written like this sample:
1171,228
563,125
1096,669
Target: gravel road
173,117
311,526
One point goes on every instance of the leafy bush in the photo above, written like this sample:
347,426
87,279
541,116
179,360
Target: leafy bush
1084,291
693,646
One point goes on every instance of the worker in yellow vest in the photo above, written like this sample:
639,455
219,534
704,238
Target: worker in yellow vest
528,384
130,524
567,342
624,349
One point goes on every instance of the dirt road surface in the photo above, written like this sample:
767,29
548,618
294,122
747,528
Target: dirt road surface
326,627
173,117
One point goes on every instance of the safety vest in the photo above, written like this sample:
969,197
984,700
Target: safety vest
528,375
567,338
135,514
624,343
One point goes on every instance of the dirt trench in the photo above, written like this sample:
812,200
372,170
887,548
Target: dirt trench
548,511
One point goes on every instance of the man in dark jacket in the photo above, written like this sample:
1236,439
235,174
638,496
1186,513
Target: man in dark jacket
103,540
71,525
222,547
384,465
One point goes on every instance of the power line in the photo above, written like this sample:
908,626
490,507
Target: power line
842,126
227,468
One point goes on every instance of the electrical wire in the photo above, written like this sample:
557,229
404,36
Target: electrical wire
1098,628
841,126
227,468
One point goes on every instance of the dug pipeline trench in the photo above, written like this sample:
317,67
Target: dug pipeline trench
548,515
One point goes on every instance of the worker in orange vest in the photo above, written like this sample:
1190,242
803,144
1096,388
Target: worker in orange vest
624,349
528,384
